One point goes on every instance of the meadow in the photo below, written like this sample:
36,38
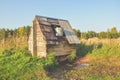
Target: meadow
104,64
16,63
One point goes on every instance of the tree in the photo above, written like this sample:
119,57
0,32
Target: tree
114,30
77,32
91,34
21,31
114,33
3,33
102,35
84,35
27,30
119,34
15,33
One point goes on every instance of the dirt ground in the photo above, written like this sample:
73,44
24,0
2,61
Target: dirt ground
64,67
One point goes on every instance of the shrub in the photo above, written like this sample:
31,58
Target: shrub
19,64
83,49
7,52
50,63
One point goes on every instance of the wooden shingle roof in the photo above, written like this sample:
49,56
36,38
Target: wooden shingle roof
53,22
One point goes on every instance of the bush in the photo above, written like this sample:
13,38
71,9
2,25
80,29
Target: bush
83,49
50,63
19,64
7,52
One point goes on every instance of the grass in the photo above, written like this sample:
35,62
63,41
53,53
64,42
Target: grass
105,65
104,69
106,50
18,64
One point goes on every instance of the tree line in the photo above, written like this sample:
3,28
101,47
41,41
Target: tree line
21,31
25,30
110,34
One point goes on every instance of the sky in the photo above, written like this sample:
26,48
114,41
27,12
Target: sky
86,15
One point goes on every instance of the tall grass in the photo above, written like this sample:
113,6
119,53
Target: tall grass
18,64
106,50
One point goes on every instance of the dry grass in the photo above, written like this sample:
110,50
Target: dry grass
104,61
103,41
13,42
100,68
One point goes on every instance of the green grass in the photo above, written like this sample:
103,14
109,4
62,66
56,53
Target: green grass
18,64
106,50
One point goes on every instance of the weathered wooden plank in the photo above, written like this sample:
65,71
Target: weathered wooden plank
44,34
70,35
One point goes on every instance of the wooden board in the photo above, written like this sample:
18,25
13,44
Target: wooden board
70,35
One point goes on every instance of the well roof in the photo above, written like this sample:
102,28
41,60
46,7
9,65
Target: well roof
48,24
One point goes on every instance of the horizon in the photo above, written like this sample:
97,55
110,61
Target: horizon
84,15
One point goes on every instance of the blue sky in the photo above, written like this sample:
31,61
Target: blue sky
86,15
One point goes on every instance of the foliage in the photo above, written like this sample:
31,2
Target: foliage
77,32
111,33
14,38
84,35
114,30
3,33
21,31
18,64
98,50
72,56
91,34
24,31
106,50
83,49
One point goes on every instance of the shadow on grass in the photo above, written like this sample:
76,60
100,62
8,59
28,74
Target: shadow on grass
83,49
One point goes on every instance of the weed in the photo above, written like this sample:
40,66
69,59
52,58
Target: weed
72,57
19,64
